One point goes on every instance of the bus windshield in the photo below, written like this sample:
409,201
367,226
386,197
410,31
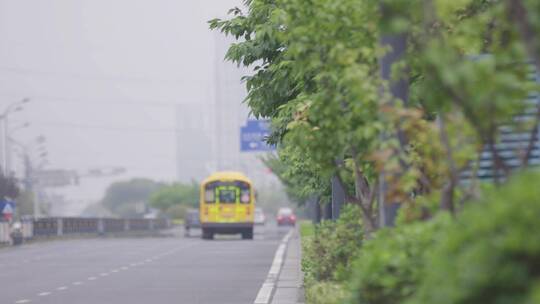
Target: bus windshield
227,192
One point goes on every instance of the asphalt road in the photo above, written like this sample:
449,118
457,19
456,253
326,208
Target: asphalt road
227,270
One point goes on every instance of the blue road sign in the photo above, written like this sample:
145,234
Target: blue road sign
6,206
253,136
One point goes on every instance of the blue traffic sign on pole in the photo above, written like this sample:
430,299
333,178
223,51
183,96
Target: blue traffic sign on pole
253,136
7,208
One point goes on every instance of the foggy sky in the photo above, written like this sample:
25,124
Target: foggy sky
104,77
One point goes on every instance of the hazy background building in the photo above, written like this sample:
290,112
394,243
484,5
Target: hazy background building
217,121
138,85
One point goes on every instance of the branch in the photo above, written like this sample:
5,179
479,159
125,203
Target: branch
497,160
371,197
532,139
456,97
425,184
360,182
449,152
447,195
517,13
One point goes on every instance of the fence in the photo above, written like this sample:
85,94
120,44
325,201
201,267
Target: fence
60,226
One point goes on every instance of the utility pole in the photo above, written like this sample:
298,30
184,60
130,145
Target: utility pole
29,184
396,42
7,165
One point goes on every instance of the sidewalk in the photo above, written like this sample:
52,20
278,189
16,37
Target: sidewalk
289,288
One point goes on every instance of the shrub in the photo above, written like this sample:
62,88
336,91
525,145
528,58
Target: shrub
491,254
326,293
389,266
328,252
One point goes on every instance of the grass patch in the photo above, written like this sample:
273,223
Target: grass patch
307,228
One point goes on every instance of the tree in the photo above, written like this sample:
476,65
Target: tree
316,75
8,187
129,198
25,203
299,175
175,198
306,65
472,73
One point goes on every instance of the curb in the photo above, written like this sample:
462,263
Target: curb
289,285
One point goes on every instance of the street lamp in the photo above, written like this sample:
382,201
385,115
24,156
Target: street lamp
14,107
18,127
29,178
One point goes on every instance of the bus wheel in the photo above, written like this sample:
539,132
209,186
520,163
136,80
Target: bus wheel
247,234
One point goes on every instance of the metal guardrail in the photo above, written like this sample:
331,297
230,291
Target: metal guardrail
45,227
60,226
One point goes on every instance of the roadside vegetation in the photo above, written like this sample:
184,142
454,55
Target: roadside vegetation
175,199
140,197
466,232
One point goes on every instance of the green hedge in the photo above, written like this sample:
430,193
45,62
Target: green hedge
389,266
327,254
491,254
326,293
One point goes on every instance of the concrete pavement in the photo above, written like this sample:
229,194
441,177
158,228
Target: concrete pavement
140,270
289,287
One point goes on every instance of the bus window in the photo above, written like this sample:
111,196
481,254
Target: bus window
244,196
209,193
245,193
227,195
209,196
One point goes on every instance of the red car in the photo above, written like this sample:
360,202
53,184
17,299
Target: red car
285,216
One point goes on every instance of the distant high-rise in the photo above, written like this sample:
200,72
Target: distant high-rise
209,131
194,143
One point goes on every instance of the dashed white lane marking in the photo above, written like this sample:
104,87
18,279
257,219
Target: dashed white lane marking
77,283
265,293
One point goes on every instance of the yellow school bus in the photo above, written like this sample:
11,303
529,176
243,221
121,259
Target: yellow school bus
227,205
